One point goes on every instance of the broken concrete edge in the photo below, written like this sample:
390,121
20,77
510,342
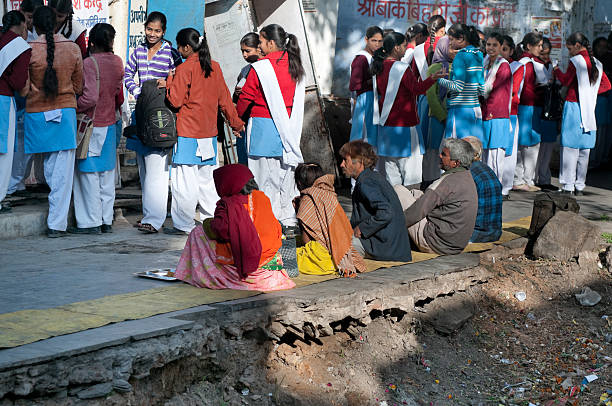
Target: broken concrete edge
113,352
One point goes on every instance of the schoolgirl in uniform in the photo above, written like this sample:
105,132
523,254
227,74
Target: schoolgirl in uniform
56,76
67,25
15,56
497,138
151,60
415,36
518,70
529,111
360,86
274,90
585,79
400,143
94,180
198,90
465,84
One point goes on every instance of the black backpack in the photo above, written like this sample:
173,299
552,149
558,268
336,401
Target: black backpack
155,118
552,110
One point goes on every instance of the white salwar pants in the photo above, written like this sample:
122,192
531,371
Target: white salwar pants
6,160
510,161
277,181
153,171
94,198
543,175
21,161
403,171
526,161
495,159
59,173
192,185
574,167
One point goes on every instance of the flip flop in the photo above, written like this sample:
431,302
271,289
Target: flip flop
147,229
138,223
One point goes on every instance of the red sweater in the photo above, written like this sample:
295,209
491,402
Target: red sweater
252,92
570,80
361,79
517,77
496,105
404,110
15,75
530,96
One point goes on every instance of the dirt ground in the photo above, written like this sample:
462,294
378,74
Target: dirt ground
537,351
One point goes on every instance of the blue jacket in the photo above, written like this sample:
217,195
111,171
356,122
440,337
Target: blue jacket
378,213
466,81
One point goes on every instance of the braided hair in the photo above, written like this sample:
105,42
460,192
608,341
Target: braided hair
64,7
12,19
434,24
580,38
287,43
44,21
191,37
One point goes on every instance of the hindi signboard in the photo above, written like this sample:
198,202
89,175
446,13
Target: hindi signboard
136,20
90,12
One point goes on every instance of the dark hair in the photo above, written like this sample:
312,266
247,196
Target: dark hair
191,37
250,40
467,32
546,43
418,28
597,41
507,39
390,41
157,16
497,36
360,150
287,43
531,38
373,30
434,24
63,6
580,38
29,6
306,174
102,36
249,187
12,19
44,21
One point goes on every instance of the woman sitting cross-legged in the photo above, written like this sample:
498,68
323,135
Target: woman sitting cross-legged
326,230
238,248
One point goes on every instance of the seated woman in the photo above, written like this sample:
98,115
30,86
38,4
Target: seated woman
326,230
238,248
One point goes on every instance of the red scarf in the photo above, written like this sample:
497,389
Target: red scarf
232,221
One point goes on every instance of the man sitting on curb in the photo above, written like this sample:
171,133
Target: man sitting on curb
441,220
489,217
377,233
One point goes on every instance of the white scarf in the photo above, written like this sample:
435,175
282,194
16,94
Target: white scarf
421,60
77,30
289,128
395,79
491,75
587,92
538,68
408,56
12,51
514,66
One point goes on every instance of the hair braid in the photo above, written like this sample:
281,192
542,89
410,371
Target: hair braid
44,21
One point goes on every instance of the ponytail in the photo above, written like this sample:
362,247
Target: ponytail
580,38
532,39
390,41
199,44
472,36
467,32
434,24
44,21
287,43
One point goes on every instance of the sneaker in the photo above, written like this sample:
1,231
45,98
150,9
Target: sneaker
56,233
578,192
173,231
106,228
85,230
521,188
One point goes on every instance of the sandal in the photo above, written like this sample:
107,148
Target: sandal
138,223
147,228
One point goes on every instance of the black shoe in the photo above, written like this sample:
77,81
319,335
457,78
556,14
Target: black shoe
56,233
547,186
106,228
173,231
578,193
85,230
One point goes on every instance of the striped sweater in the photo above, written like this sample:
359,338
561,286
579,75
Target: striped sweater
466,81
157,68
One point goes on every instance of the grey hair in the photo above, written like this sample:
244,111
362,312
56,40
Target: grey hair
476,145
459,150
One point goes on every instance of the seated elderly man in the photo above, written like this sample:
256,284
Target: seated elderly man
441,220
377,233
489,217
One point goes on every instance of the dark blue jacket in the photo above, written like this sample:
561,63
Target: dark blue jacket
378,213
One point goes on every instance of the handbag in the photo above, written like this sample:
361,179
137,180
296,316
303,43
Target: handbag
85,124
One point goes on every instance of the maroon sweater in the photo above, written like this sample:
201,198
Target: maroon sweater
15,75
361,79
498,103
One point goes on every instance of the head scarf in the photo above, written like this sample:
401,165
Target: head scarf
442,55
232,221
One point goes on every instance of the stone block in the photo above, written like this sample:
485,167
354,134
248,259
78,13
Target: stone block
96,391
565,236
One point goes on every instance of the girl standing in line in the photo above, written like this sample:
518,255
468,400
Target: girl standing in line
56,76
15,55
415,36
497,138
274,90
198,90
585,79
518,70
529,110
400,142
360,85
151,60
465,84
67,26
94,181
